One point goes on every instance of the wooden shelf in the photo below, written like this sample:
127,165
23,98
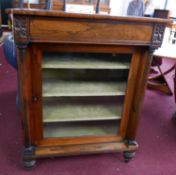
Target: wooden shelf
80,129
59,112
53,88
68,62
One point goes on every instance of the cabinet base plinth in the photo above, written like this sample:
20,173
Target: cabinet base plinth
95,148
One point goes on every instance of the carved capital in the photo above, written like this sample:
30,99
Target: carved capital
21,29
158,34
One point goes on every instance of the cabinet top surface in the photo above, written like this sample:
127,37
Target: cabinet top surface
62,14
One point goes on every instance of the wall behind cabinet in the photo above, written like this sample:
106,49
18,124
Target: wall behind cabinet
119,7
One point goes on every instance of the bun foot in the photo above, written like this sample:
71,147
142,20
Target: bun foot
29,160
29,164
128,156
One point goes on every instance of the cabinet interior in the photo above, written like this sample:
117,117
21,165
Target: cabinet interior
83,93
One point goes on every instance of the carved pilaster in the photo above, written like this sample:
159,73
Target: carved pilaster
21,30
158,34
21,53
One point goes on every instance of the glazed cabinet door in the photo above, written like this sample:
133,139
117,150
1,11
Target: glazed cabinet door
84,94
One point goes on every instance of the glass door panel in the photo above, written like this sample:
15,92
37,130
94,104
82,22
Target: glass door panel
83,94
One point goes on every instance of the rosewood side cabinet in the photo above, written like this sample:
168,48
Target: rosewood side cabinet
82,79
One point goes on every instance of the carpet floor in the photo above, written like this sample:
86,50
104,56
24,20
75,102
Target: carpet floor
156,137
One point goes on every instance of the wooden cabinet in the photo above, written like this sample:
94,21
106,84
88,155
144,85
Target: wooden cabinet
82,80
